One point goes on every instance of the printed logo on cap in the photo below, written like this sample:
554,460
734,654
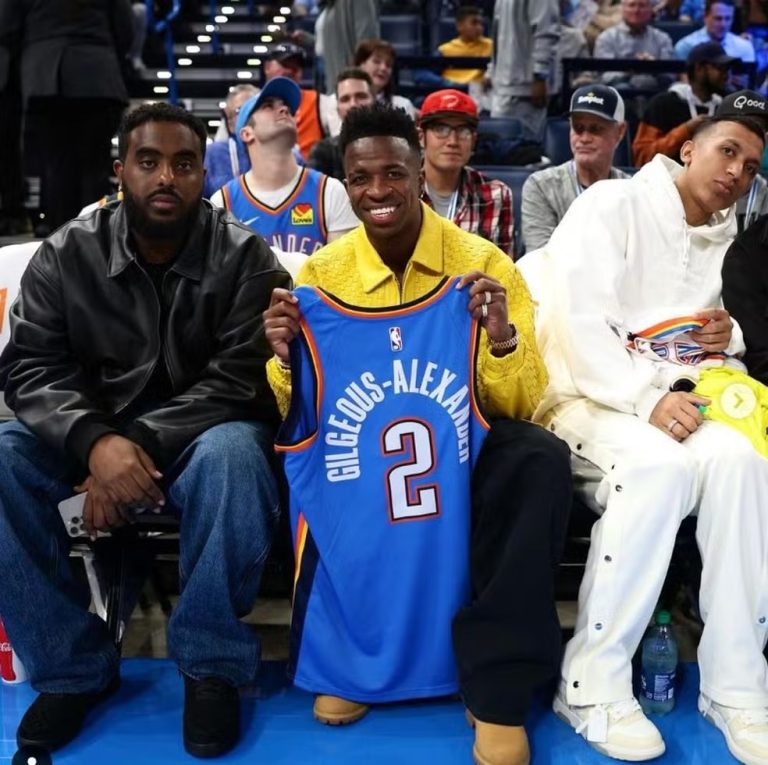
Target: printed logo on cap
450,101
742,101
591,98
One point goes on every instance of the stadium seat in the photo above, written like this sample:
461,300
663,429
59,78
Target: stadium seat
557,145
403,33
514,177
446,30
676,29
13,262
503,127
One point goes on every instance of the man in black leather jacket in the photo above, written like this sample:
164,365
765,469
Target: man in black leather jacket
136,368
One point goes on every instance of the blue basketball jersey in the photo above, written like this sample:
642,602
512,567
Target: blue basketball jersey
379,443
297,225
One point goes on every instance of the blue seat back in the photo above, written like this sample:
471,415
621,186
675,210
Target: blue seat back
403,32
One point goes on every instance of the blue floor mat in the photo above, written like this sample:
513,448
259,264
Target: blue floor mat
141,725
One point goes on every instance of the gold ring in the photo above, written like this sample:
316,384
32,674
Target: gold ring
672,424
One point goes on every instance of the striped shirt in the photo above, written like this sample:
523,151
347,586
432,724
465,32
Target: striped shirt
483,207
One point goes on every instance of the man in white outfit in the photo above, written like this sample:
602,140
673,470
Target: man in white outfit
629,254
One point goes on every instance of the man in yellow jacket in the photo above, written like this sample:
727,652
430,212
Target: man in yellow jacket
507,640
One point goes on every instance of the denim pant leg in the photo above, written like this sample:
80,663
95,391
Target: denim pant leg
44,606
224,488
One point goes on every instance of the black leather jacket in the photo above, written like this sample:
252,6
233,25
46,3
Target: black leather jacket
86,334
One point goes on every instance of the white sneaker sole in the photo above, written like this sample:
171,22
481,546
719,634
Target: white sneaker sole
719,722
564,712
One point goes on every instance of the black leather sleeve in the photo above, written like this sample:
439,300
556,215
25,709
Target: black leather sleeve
233,385
44,383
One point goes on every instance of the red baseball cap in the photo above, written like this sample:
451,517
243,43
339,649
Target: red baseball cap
448,103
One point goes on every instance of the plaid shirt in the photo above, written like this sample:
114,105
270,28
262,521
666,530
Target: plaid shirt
484,207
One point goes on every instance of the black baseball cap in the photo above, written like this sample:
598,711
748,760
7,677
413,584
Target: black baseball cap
743,103
710,53
600,100
285,52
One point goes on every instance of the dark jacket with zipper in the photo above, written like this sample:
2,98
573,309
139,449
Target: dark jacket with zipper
88,331
745,293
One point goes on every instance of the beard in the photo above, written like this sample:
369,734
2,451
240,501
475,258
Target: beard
141,223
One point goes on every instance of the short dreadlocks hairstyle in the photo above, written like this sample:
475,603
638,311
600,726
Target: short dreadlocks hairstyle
378,120
158,112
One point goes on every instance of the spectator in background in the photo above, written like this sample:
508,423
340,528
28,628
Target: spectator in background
73,90
572,44
353,89
228,158
671,118
316,111
597,128
525,39
634,38
718,19
606,14
478,204
747,103
684,11
470,42
296,209
377,58
139,36
345,23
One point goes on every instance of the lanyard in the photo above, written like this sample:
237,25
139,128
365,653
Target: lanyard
750,204
233,157
577,187
452,206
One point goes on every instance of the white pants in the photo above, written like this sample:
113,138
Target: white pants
651,483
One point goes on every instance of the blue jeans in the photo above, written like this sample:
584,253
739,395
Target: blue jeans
223,488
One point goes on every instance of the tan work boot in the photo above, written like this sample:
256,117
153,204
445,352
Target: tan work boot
499,744
332,710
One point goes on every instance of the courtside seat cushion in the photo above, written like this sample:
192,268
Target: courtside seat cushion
13,262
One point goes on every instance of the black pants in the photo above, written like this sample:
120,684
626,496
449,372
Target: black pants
508,641
11,181
67,141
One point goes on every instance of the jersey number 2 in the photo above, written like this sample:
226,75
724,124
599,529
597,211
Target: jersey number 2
412,438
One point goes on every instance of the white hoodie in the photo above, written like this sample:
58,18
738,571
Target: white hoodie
624,254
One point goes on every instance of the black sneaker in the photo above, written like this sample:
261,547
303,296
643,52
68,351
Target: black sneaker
54,719
211,716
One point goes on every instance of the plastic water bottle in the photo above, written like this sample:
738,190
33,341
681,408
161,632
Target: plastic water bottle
659,666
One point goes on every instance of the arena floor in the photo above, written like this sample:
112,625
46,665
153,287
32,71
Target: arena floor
141,725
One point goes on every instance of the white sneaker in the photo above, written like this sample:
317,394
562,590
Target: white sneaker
745,730
619,729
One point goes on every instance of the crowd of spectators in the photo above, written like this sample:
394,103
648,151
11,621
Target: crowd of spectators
386,188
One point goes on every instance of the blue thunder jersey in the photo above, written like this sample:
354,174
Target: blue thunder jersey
297,225
382,433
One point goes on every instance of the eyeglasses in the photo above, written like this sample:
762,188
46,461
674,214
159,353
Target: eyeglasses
441,130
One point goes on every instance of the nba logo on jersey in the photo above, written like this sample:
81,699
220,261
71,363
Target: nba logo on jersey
302,215
395,339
